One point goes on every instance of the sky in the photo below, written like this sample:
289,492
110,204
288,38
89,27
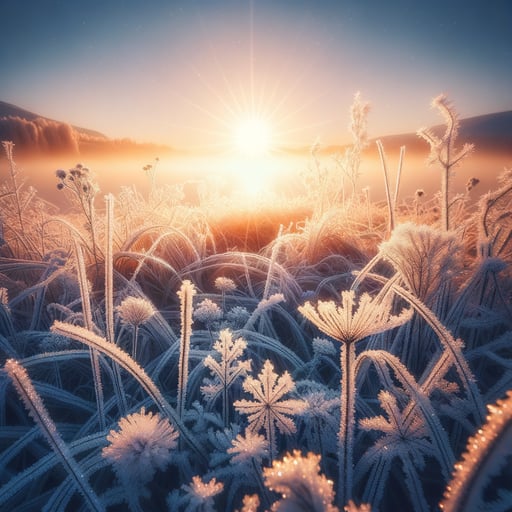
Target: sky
184,73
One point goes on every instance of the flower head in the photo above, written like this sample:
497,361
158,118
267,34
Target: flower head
135,311
348,326
249,447
207,312
225,284
142,445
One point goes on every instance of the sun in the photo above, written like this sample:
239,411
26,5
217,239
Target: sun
253,137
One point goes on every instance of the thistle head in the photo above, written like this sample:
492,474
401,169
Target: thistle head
142,445
135,311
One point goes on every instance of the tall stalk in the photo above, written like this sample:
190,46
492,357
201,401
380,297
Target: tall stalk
109,298
186,294
88,322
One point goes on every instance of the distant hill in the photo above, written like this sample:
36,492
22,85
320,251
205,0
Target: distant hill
490,133
35,134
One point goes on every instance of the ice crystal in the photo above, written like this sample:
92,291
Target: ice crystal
269,409
298,480
135,311
348,326
248,448
142,445
201,494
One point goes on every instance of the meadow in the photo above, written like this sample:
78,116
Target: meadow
346,348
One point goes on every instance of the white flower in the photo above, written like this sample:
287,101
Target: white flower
141,446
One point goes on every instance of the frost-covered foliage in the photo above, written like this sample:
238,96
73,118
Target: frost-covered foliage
155,358
300,484
142,445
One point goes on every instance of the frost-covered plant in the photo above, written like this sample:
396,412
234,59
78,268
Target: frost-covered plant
269,409
186,295
135,311
224,285
247,452
208,313
225,371
348,326
350,162
487,454
298,479
426,259
142,445
403,438
39,413
250,503
443,151
81,188
200,494
237,317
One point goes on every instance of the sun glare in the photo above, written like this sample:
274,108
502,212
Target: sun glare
253,137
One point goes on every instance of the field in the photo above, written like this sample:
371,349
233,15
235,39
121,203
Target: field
188,347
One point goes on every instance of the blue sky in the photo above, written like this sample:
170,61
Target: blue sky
182,73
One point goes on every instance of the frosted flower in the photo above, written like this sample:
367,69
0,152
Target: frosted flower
319,406
269,409
207,312
142,445
237,317
249,447
348,326
225,284
135,311
201,493
424,257
299,481
250,503
323,347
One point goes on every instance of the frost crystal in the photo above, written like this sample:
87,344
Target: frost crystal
141,446
251,502
485,453
299,481
201,493
251,447
268,409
